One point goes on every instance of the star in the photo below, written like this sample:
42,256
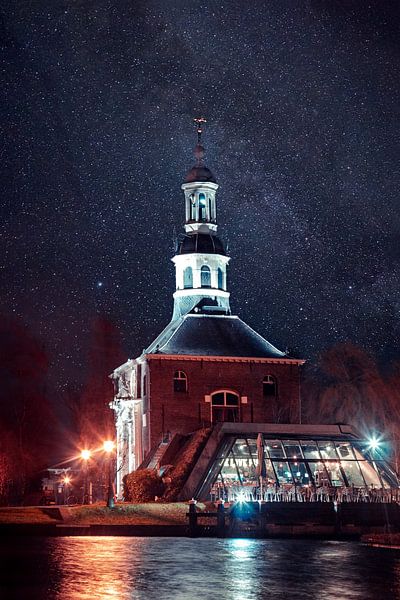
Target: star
301,135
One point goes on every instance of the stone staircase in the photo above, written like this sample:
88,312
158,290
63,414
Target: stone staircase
156,457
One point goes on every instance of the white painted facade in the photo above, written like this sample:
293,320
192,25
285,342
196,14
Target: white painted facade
128,406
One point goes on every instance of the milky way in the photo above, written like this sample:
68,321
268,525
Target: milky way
302,103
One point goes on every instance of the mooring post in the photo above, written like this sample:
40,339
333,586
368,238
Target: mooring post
192,518
220,519
263,517
337,507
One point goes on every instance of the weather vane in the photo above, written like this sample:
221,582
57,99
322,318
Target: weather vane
199,124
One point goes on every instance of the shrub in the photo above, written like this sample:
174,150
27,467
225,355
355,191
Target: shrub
142,486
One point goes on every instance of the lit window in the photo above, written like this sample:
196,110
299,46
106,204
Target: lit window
205,276
269,386
180,381
202,207
188,277
220,279
192,208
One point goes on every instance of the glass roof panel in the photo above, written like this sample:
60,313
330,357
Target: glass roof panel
275,449
310,449
370,475
319,473
292,448
283,472
327,449
353,474
241,448
344,450
300,473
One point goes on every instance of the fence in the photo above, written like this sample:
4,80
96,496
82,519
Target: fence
285,493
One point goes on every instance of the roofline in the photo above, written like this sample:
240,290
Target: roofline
212,184
295,429
260,336
210,358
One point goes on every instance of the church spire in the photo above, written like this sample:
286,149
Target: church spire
199,149
200,261
200,188
199,124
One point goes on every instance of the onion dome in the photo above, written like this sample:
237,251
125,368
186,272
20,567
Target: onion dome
200,173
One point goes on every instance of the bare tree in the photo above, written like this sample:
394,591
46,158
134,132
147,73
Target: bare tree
346,386
26,415
94,420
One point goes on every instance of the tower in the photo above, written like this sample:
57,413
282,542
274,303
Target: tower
200,260
207,366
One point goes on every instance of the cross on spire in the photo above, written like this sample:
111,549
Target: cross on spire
199,124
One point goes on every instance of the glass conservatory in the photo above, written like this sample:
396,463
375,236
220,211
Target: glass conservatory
302,463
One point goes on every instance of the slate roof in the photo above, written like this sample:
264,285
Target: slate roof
211,335
200,242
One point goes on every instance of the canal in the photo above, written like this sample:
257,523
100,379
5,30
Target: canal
118,568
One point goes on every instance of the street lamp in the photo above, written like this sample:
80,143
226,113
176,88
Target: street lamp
85,456
66,482
374,443
108,448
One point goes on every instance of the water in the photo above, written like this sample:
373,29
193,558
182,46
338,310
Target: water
110,568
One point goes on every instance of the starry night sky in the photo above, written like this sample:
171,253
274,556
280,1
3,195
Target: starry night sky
302,102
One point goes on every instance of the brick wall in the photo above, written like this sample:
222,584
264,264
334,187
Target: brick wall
184,412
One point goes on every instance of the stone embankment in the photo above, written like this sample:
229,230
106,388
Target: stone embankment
248,519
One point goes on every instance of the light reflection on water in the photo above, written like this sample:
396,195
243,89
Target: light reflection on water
110,568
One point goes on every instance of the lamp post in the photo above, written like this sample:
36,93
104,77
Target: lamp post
66,482
85,455
108,448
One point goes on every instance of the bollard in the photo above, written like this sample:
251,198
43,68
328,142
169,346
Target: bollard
263,517
220,520
337,507
192,518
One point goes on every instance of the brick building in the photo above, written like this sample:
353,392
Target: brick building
207,365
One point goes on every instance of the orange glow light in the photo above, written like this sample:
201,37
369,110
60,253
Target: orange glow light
108,446
85,454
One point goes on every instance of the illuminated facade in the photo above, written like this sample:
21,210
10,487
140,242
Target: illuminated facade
300,462
207,366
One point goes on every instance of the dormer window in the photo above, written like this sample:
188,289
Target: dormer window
180,381
205,276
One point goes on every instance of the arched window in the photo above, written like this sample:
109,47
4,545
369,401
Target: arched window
202,207
220,279
205,276
212,209
225,407
180,381
269,386
192,207
188,277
